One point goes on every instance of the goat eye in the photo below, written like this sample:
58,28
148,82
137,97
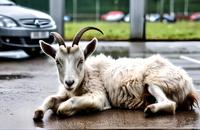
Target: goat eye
80,62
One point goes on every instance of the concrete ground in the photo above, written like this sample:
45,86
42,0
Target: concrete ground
25,82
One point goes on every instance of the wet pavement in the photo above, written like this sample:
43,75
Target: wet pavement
25,82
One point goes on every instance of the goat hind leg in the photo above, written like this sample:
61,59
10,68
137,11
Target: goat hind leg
163,103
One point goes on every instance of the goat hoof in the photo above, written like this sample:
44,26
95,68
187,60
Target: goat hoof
149,110
59,113
38,115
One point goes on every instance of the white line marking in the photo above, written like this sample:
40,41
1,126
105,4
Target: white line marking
190,59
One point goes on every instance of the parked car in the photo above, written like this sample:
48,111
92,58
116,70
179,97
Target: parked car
113,16
127,18
22,28
156,17
152,17
67,18
195,16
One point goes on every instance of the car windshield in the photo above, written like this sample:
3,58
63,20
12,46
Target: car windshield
6,2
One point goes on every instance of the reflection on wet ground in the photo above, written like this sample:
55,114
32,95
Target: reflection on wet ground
120,119
14,76
18,54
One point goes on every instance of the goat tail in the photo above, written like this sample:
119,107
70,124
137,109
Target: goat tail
191,100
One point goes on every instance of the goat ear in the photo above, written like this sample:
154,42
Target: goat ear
90,48
47,49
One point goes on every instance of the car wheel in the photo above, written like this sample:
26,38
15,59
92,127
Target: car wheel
33,52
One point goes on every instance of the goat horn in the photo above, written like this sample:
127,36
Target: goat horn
58,38
81,32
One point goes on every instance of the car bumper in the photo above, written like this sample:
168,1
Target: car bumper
20,38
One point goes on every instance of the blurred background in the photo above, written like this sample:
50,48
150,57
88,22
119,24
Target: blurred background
165,19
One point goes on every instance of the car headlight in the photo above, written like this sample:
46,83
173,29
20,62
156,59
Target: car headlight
7,22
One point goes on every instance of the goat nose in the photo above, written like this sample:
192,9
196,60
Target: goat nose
69,82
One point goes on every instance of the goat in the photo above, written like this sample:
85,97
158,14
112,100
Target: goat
151,84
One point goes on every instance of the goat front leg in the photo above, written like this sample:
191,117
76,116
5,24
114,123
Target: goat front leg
163,103
51,102
85,102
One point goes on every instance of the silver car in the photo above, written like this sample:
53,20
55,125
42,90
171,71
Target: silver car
22,28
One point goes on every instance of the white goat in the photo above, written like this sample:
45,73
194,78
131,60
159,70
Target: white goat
98,83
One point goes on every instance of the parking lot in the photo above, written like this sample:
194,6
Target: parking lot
25,82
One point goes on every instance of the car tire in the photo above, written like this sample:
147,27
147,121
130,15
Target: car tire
33,52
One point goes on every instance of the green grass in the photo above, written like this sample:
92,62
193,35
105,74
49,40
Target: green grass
176,31
112,31
181,30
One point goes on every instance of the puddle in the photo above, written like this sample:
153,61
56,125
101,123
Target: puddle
14,76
